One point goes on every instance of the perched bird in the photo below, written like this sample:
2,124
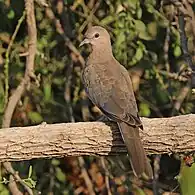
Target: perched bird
108,85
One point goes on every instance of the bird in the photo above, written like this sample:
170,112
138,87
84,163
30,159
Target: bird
108,85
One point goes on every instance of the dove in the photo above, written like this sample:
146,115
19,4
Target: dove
109,87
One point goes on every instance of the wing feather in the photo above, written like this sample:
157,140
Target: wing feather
112,92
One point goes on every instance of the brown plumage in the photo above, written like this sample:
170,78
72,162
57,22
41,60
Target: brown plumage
109,87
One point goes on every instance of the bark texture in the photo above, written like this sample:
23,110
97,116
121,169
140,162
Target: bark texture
160,135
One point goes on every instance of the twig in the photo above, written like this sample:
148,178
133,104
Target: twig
42,3
16,96
67,92
13,186
166,49
8,167
185,9
68,42
86,176
90,16
6,67
180,98
106,176
51,180
174,76
183,38
184,47
156,173
190,11
191,83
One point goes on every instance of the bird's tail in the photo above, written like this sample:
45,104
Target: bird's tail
138,159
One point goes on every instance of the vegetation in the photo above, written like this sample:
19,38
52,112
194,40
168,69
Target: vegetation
148,38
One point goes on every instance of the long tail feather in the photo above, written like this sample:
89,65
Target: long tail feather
138,159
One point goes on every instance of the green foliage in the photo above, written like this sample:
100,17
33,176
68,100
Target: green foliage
29,181
187,179
144,109
35,117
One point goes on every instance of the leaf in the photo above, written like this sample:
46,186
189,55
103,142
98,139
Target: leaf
47,91
55,162
187,179
177,51
120,39
144,109
133,3
30,183
30,171
35,117
150,8
58,80
60,175
107,20
139,25
153,56
11,14
3,190
152,29
139,13
139,54
145,36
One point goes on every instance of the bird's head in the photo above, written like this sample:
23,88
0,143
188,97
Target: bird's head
97,37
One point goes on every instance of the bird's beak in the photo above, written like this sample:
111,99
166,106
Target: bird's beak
85,41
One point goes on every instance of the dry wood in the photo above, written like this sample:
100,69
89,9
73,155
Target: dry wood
160,135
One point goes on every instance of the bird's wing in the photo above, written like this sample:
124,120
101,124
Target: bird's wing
111,90
121,102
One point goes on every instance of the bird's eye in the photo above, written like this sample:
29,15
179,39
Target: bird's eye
97,35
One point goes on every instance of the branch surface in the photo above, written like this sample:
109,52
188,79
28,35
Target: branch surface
160,135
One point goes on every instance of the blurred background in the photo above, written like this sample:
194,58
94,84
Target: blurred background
146,39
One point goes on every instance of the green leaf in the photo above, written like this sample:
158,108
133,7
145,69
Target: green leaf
55,162
60,175
150,8
144,109
120,39
177,51
107,20
187,179
30,183
47,91
145,36
35,117
139,54
3,190
58,80
139,191
152,29
30,171
139,25
11,14
139,13
133,3
44,71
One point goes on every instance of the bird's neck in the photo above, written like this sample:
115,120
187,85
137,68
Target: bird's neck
100,55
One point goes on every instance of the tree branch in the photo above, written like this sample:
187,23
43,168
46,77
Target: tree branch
17,94
160,135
